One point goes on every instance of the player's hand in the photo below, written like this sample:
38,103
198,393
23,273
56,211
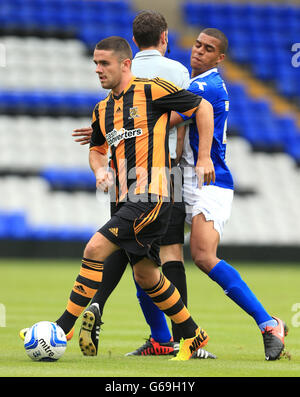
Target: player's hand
84,133
104,179
205,171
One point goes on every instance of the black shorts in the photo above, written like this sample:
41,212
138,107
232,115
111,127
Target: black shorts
138,227
175,231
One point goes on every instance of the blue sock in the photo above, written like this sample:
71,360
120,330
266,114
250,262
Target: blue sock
154,316
237,290
270,323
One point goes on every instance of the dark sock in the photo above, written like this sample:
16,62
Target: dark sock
66,321
175,272
114,267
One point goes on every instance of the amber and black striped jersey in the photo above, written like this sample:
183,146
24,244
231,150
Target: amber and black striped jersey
134,125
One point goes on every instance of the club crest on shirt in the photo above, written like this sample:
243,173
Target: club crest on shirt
133,113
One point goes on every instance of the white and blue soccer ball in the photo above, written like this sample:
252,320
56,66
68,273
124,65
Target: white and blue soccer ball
45,341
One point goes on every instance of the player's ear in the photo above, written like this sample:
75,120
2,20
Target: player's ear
221,58
164,37
127,63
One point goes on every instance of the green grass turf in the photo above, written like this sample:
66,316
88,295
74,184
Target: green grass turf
37,290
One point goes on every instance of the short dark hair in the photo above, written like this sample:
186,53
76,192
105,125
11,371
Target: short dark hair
218,35
117,44
147,27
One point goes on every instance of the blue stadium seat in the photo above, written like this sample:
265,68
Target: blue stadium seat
287,86
191,14
14,225
61,14
63,233
69,179
41,103
255,121
293,148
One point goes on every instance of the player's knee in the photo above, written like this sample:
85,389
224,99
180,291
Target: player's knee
203,260
92,250
140,278
146,277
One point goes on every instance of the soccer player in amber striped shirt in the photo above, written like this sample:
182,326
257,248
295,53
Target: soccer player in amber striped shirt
133,122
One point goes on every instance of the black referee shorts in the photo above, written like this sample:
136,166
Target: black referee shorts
175,231
138,227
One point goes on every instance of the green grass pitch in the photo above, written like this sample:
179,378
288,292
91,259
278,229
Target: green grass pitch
32,291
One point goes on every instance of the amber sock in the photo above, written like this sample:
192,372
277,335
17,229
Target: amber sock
167,298
84,289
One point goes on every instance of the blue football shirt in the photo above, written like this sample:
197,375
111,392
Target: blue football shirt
211,86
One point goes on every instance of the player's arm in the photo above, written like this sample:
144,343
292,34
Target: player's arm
180,142
98,157
83,135
205,125
190,104
99,163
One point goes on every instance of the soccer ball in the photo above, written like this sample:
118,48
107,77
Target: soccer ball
45,341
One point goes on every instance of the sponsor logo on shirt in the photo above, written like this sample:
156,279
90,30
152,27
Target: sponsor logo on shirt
115,136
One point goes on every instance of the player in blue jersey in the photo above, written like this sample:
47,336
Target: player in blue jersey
208,207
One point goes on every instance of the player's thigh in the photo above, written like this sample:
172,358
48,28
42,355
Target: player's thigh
99,247
172,252
204,242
